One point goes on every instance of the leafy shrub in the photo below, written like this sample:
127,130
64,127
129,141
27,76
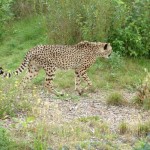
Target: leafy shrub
145,146
5,15
130,35
116,61
70,22
4,140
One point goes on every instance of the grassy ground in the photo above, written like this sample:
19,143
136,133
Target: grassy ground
116,73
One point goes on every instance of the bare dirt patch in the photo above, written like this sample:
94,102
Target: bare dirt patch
95,105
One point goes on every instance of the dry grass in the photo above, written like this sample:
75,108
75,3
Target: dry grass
123,127
115,99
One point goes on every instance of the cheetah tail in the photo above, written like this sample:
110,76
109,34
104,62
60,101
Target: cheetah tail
17,71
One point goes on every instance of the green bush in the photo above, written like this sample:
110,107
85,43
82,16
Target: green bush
130,31
72,21
116,61
5,15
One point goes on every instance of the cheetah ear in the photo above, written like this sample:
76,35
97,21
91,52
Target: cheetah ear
105,46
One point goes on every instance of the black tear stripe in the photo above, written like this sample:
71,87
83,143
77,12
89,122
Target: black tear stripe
1,71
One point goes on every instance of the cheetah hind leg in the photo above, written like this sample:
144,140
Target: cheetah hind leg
49,85
87,80
77,83
32,72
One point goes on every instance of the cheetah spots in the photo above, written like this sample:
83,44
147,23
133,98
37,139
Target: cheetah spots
49,57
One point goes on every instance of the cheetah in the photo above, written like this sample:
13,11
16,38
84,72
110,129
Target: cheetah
50,57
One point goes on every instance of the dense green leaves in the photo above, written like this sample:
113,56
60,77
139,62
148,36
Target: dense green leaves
131,37
5,15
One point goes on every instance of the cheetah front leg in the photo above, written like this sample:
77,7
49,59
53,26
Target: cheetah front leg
87,80
81,73
77,82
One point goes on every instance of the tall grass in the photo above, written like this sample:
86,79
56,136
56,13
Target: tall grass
68,21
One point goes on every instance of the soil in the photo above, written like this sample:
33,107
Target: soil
95,105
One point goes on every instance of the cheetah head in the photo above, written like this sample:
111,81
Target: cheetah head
99,49
104,50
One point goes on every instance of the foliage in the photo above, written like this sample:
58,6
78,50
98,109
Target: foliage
5,15
116,61
71,21
131,34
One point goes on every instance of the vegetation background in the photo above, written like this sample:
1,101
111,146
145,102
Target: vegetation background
123,23
27,23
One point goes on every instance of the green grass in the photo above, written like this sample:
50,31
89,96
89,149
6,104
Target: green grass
72,135
7,143
84,133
